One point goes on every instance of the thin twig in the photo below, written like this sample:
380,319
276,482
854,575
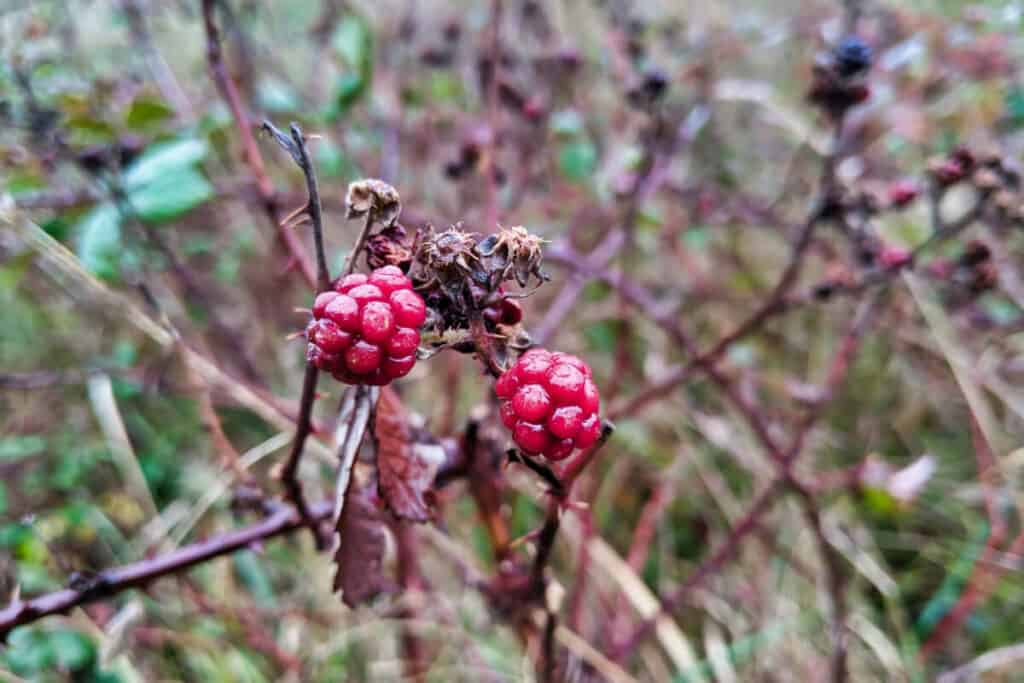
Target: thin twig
229,91
137,574
296,147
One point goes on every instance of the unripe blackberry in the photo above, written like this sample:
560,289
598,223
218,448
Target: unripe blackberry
550,402
366,330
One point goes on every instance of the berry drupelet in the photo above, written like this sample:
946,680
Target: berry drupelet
550,402
365,331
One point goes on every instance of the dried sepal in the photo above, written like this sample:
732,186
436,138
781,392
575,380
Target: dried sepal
375,197
450,253
461,276
390,247
513,253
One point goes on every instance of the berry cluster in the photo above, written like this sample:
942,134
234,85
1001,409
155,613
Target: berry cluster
366,330
550,403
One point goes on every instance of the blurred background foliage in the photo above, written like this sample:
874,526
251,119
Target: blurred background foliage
115,140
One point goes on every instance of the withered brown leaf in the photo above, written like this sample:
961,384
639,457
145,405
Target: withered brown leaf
405,468
359,555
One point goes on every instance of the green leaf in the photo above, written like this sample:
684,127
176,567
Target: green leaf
577,159
603,336
24,181
73,651
147,112
354,43
99,241
164,159
18,447
1001,310
329,158
697,237
255,578
349,88
1014,103
633,435
57,228
14,270
30,651
445,87
276,96
171,195
84,130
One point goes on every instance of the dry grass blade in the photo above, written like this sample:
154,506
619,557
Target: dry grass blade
65,268
101,395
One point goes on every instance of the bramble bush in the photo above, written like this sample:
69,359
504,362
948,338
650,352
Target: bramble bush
514,340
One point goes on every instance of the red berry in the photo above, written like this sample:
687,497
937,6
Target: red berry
532,438
365,331
390,279
349,281
378,323
364,294
403,342
533,367
378,378
902,192
565,384
537,351
565,422
362,358
533,108
329,337
590,430
508,415
511,312
591,401
532,403
410,311
320,358
344,311
559,450
550,403
506,385
575,361
894,257
321,301
393,368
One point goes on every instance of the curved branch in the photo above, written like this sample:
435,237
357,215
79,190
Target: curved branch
115,580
